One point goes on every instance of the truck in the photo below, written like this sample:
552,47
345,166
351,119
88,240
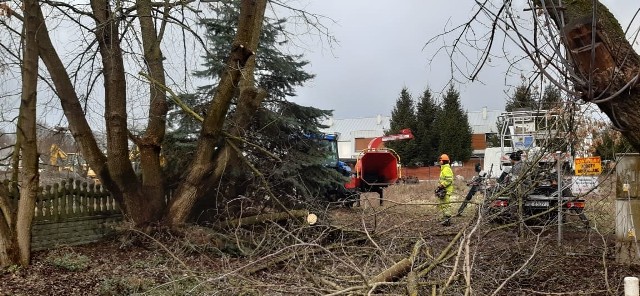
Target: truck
376,168
531,132
496,159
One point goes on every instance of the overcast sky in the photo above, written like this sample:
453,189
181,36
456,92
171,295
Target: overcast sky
381,50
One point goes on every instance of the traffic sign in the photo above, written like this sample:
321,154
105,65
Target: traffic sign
588,166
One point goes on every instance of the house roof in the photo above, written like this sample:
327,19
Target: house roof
365,127
483,121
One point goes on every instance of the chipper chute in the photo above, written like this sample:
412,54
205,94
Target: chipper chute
379,168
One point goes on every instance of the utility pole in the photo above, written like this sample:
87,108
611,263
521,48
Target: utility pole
560,199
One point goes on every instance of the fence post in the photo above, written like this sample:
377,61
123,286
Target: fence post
631,286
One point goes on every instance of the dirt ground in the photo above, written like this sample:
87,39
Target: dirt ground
344,254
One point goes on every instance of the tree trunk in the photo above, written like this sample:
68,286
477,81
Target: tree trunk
262,218
228,158
249,101
9,253
27,131
194,185
134,206
115,171
73,111
611,81
151,141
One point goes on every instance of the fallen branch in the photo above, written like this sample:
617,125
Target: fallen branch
262,218
283,257
412,279
394,272
443,256
533,255
402,267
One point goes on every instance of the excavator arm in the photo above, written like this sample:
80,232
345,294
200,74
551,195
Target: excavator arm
56,154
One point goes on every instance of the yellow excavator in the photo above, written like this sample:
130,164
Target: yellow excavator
57,157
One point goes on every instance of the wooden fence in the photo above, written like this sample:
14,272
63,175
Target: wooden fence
69,213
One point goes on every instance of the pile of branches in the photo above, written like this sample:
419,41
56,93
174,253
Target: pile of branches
391,250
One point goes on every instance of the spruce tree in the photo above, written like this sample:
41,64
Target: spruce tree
523,97
280,127
551,98
403,116
277,71
454,131
425,132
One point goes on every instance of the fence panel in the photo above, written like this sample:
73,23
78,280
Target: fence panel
69,213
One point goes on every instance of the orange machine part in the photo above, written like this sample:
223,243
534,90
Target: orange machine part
379,167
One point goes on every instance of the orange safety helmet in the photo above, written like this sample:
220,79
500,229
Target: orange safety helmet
444,157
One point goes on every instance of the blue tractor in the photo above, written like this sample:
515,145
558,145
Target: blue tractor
342,194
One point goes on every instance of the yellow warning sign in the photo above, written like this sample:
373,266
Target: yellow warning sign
588,166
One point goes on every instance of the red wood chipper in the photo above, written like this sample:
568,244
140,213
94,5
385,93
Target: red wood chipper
378,167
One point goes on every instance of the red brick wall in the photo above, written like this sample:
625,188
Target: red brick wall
478,141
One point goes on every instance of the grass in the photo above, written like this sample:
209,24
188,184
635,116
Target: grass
66,259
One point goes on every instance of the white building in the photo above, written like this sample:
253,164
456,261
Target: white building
356,133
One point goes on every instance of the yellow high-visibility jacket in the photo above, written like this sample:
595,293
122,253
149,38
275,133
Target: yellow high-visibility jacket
446,178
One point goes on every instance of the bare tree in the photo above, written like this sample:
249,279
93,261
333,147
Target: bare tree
250,23
142,199
578,46
15,227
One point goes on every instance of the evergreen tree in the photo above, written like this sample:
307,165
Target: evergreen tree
608,142
523,97
403,116
493,139
452,126
280,127
277,72
551,98
425,132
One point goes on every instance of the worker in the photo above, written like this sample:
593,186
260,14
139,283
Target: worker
475,184
513,172
445,187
